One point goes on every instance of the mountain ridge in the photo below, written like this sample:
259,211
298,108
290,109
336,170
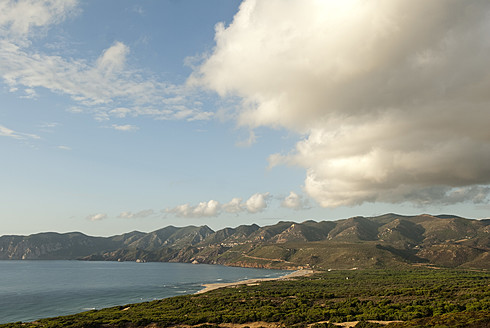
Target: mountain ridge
389,240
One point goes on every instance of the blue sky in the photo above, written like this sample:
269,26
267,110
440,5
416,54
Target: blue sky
124,115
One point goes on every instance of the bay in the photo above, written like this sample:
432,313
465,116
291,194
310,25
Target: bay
31,290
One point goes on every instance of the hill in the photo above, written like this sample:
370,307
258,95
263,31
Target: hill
385,241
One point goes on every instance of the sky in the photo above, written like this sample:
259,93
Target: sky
121,115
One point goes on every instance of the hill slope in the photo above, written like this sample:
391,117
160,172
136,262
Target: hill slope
389,240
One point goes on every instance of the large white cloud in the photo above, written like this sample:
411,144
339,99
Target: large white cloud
391,95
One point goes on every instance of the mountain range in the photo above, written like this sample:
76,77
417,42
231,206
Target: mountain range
385,241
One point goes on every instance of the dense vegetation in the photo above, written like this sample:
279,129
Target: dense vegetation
442,298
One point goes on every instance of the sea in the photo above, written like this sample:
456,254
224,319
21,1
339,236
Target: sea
31,290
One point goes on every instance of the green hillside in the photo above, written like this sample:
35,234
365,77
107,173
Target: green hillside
385,241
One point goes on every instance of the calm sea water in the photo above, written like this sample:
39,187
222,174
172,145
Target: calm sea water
31,290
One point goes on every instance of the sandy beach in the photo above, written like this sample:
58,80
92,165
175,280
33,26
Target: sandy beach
208,287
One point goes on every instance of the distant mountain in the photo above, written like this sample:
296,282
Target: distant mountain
389,240
53,246
171,237
231,236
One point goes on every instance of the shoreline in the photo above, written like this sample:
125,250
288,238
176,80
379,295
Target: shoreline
213,286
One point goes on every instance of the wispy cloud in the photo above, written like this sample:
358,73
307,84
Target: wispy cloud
120,112
29,93
138,9
126,127
6,132
48,125
252,138
18,19
99,87
137,215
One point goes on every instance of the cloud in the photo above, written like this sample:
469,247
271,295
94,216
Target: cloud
138,9
233,206
209,208
97,217
184,210
48,125
252,138
257,202
391,96
19,18
6,132
126,127
100,86
120,112
203,209
113,58
294,201
137,215
29,94
64,147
